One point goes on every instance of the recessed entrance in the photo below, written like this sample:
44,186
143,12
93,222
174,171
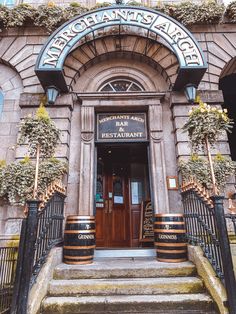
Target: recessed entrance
122,186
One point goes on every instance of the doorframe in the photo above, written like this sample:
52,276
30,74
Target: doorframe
150,102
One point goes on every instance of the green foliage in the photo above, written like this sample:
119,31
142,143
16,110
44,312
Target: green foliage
223,168
73,10
231,12
2,163
75,5
51,16
17,179
3,16
198,169
189,13
206,122
39,130
135,3
16,182
101,5
19,15
48,16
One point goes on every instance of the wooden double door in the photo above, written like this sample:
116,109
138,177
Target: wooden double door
121,187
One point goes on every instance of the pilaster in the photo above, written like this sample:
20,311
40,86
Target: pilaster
86,180
157,159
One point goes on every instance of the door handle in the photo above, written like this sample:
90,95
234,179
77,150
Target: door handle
110,206
106,206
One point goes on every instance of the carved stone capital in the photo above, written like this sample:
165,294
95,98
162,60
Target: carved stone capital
87,136
156,136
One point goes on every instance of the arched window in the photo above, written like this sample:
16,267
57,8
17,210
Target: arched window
1,101
121,85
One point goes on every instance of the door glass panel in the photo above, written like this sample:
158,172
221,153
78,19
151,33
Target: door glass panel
118,190
136,192
99,186
139,185
117,171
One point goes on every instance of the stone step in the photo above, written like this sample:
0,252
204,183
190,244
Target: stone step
158,304
129,286
124,268
123,253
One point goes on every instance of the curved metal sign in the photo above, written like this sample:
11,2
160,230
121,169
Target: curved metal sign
68,36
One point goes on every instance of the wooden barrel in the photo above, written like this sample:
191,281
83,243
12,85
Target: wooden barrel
170,238
79,240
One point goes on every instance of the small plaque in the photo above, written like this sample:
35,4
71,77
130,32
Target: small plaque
172,183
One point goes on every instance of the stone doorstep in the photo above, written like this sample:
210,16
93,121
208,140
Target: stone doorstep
129,304
124,268
124,253
130,286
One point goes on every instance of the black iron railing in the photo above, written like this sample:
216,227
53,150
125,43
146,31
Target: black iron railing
50,231
8,258
40,231
206,227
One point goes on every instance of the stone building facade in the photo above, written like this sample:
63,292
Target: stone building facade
115,72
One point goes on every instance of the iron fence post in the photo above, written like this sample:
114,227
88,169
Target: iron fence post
27,258
229,276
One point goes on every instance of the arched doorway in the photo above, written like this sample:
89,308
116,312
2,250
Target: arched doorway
121,63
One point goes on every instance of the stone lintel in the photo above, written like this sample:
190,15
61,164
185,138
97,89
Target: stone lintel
209,96
34,100
130,99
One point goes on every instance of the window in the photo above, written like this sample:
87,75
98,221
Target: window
1,101
121,85
9,3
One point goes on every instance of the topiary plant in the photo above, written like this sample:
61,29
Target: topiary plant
39,131
206,122
204,125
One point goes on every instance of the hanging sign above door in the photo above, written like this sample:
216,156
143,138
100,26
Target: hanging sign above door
121,127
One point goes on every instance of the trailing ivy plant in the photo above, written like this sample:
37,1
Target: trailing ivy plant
17,178
198,169
19,15
224,167
231,12
72,10
51,15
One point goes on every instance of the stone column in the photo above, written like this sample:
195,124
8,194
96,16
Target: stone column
157,160
86,176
